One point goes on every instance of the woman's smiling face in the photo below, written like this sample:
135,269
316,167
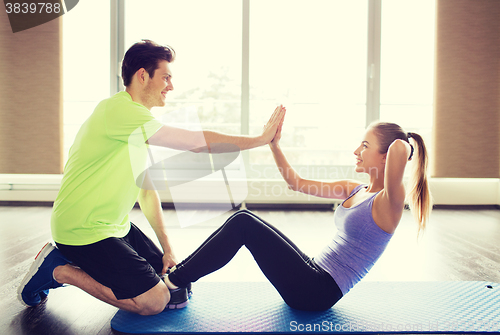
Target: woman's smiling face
368,156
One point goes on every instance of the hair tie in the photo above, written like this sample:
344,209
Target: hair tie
411,153
409,135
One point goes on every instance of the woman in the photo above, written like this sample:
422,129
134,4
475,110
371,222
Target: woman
366,221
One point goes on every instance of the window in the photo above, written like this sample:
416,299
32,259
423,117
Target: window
311,56
86,64
407,62
236,60
207,70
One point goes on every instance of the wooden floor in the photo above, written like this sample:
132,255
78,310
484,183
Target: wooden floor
458,245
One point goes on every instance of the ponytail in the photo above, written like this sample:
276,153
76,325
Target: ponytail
419,195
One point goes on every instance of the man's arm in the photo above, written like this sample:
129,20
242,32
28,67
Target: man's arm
149,201
198,141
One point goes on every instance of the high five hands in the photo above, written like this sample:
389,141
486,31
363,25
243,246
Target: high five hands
272,129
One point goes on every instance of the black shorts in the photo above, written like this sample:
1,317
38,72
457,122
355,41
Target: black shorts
129,266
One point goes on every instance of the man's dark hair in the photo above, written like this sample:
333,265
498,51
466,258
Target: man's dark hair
144,54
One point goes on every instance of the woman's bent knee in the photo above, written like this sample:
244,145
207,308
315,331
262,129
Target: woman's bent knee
242,217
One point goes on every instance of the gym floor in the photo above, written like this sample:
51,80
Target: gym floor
459,244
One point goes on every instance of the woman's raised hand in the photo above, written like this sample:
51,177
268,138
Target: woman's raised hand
271,127
277,136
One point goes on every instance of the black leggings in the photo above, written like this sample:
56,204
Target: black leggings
299,280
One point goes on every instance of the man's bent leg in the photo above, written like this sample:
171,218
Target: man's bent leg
150,302
115,264
112,271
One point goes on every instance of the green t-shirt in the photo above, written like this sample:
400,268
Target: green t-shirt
99,187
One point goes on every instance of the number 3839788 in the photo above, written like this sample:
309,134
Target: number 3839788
32,8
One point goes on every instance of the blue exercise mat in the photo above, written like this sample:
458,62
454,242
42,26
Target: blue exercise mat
372,307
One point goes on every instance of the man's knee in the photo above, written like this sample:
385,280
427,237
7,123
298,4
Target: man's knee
153,301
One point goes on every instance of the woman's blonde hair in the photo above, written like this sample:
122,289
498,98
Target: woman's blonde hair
418,193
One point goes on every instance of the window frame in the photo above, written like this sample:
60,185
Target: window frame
372,67
372,105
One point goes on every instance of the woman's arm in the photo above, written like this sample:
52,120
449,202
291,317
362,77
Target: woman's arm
396,160
336,189
389,204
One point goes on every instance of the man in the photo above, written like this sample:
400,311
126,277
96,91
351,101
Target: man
98,249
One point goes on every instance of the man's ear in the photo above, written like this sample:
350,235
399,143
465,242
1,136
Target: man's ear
384,159
142,75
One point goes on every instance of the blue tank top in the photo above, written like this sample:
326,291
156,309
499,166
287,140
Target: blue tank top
358,244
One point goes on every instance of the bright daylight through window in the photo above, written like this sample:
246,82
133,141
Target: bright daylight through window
310,56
